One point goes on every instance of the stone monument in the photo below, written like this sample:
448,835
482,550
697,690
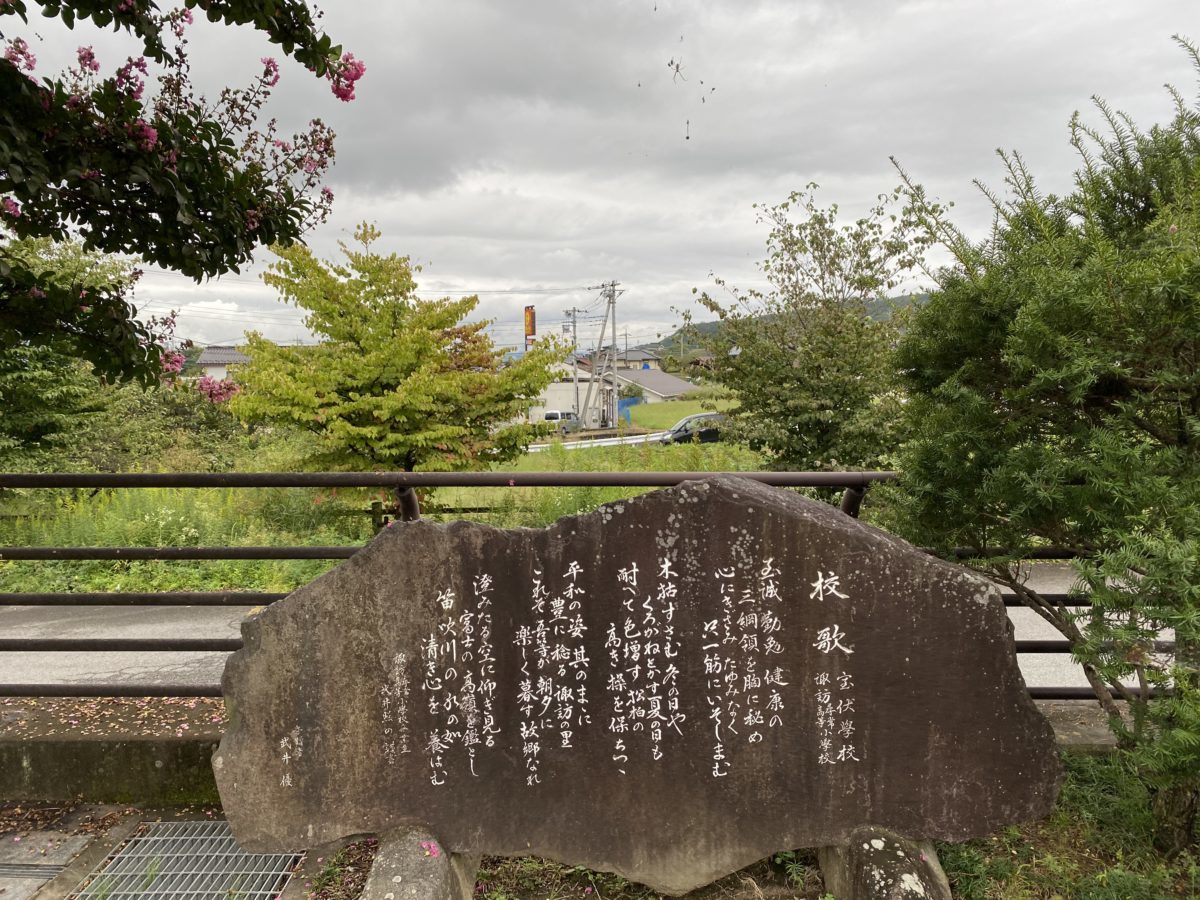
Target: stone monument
670,688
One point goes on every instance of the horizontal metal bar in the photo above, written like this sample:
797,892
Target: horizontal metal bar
1077,693
39,645
263,598
134,553
423,479
1011,600
119,645
149,598
1036,553
1058,646
108,689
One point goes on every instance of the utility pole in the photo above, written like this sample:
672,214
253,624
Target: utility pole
608,354
573,314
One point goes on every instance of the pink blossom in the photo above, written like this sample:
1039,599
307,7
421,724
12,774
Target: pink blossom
253,219
37,293
217,390
344,74
18,54
327,194
285,146
11,207
180,19
130,83
431,849
87,60
271,71
126,5
172,362
145,134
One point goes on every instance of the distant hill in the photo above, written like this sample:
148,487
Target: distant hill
880,310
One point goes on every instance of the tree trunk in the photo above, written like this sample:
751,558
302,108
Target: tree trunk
1175,810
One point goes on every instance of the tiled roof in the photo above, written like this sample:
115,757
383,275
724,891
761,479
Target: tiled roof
662,383
221,356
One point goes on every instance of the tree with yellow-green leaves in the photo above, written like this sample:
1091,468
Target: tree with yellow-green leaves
396,382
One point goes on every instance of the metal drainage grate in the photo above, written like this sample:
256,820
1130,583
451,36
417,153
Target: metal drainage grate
44,871
186,860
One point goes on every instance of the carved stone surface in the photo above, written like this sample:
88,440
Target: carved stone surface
669,688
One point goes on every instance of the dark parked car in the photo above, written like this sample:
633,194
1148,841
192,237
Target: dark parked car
703,427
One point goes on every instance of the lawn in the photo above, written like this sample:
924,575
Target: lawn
661,416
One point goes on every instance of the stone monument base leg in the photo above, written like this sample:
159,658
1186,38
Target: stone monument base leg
411,864
879,864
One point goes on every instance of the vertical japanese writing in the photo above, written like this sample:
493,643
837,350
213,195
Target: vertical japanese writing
291,749
742,651
619,723
394,698
721,690
569,657
535,691
458,679
643,683
834,686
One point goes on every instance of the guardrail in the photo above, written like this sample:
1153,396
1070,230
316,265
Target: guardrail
854,484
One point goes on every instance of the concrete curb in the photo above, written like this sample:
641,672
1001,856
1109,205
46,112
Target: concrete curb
162,772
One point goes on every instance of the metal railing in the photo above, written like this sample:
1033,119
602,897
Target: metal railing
402,484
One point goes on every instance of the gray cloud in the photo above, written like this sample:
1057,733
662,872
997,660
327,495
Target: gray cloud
536,143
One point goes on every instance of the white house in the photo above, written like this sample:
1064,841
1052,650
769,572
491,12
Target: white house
215,360
656,386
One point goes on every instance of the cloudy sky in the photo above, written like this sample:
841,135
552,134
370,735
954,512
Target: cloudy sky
545,146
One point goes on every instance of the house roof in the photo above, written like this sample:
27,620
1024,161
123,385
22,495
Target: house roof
218,355
662,383
637,354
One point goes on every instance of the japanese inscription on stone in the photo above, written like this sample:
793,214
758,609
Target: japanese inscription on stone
670,688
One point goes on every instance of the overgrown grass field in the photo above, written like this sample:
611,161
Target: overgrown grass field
661,416
151,517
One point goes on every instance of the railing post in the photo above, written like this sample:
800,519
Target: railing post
852,499
407,504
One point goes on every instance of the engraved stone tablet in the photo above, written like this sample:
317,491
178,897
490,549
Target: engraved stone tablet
669,688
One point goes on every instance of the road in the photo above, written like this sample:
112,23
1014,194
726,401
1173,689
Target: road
223,622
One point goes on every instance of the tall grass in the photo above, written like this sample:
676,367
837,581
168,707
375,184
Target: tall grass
157,517
537,507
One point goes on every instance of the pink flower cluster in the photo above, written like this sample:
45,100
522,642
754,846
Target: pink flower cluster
87,60
344,74
216,390
130,83
11,207
17,53
180,19
145,134
270,71
431,849
172,362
